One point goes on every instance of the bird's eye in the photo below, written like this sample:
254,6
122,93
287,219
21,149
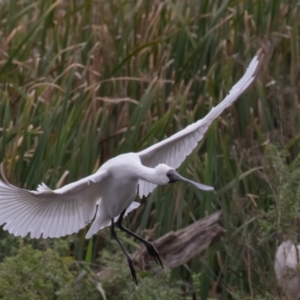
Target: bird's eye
170,175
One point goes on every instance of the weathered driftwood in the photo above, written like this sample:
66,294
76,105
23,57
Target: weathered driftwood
178,247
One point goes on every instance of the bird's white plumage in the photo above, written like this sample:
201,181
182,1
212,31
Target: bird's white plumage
286,266
173,150
50,213
112,189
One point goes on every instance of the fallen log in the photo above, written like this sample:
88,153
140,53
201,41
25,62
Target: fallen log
178,247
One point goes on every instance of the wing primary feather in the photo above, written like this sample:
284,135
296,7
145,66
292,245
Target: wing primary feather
43,219
72,212
77,216
83,213
22,231
19,214
173,150
63,217
34,217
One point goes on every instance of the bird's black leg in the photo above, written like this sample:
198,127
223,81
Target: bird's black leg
129,260
150,247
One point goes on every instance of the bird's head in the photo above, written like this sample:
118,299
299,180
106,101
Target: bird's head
161,173
166,174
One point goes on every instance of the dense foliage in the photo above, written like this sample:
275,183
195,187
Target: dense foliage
82,81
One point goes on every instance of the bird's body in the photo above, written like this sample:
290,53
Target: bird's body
122,170
108,195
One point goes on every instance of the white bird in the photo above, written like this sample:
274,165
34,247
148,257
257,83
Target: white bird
287,269
107,196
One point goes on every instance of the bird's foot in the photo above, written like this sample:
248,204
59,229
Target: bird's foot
154,253
132,270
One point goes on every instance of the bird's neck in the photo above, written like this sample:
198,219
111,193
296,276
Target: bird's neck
149,174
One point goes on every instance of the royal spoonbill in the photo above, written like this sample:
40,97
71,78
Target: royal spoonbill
287,269
107,196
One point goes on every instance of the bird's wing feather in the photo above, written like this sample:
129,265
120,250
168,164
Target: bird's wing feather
173,150
51,213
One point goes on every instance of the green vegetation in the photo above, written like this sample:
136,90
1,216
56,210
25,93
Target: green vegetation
82,81
35,274
45,274
119,287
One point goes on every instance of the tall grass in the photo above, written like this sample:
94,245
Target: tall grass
82,81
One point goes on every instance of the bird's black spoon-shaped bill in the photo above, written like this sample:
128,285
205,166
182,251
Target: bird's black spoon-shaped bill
174,176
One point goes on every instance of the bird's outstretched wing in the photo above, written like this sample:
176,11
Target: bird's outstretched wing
46,212
173,150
